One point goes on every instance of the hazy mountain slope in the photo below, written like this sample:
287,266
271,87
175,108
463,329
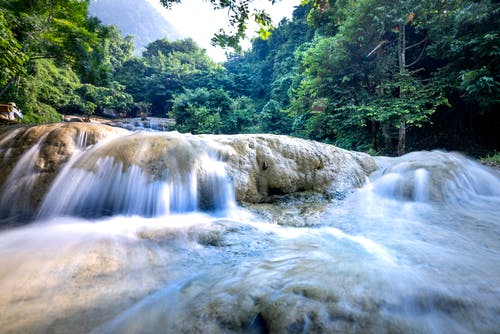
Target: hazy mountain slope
134,17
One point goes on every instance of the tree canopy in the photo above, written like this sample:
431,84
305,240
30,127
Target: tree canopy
384,76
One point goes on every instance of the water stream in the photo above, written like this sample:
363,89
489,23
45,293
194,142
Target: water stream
415,250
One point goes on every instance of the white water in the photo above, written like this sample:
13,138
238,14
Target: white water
192,181
19,184
417,250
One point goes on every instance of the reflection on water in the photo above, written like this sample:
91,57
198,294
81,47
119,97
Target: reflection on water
417,250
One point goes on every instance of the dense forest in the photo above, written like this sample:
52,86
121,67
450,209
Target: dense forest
382,76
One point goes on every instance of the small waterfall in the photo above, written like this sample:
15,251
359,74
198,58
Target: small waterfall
18,187
29,172
214,189
5,148
435,176
471,181
80,192
421,185
137,124
163,175
81,142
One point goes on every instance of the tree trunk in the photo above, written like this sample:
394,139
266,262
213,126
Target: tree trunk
7,86
402,136
387,136
402,65
374,133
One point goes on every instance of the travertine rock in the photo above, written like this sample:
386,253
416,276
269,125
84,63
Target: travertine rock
260,165
31,156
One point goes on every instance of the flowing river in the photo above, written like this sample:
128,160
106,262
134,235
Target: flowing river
414,250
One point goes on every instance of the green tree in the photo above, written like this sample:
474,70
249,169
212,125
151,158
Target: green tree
50,28
96,63
34,32
275,119
198,111
212,111
268,73
46,90
166,69
134,74
469,50
12,58
365,79
243,116
112,98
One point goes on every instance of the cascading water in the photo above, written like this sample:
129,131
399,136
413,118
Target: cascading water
425,176
19,184
127,241
171,183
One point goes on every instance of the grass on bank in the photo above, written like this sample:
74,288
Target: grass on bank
492,159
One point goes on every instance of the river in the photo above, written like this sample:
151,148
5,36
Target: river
414,250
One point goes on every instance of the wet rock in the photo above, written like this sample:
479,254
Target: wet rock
434,176
297,209
31,156
264,165
261,167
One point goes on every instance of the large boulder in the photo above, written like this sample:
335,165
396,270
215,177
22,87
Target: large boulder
262,165
31,156
259,165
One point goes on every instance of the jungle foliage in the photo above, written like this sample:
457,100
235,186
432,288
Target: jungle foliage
384,76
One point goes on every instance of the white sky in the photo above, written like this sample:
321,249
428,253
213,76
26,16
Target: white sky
197,19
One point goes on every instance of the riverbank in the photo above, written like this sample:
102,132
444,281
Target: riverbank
492,160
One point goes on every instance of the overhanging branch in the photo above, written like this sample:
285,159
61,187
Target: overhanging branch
7,86
424,40
420,54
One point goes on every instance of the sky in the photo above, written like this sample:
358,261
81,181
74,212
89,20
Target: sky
198,20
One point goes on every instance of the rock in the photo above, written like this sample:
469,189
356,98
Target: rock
264,165
32,155
304,209
260,166
434,176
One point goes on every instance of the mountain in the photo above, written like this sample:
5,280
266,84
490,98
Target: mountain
134,17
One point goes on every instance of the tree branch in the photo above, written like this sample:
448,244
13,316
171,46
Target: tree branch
416,44
376,48
420,55
7,85
42,57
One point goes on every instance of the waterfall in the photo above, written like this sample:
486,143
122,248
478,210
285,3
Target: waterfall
143,183
421,184
19,185
138,232
434,176
32,156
